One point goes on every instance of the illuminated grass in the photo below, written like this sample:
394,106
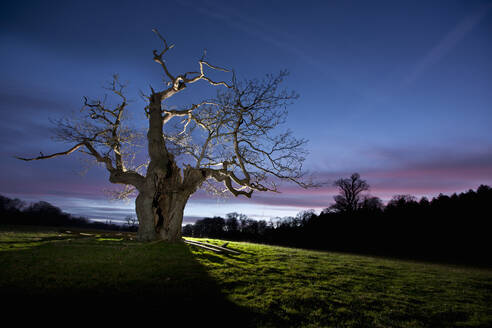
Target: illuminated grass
307,288
263,286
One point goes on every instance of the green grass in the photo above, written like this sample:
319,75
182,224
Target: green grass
264,286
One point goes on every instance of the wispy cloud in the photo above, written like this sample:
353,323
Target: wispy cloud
447,44
257,29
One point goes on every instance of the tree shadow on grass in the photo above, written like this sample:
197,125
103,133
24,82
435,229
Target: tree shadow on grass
159,283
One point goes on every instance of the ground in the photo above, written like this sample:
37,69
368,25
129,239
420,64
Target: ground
91,272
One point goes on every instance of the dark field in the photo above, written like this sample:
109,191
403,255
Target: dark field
84,274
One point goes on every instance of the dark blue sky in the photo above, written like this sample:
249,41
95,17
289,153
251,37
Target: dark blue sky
399,91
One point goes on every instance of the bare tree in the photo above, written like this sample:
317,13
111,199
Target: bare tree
350,189
131,222
231,140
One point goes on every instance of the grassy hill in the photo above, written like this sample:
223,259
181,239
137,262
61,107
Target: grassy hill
92,273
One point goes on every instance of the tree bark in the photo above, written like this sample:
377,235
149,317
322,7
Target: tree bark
160,216
145,215
169,216
161,202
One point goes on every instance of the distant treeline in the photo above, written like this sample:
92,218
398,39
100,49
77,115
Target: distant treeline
452,228
17,212
446,228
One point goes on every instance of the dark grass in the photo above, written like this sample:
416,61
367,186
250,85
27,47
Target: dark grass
52,273
106,275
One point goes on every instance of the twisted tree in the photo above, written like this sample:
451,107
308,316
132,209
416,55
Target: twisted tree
230,139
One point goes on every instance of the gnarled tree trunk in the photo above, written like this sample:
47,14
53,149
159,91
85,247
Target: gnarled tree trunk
145,215
160,206
160,215
169,208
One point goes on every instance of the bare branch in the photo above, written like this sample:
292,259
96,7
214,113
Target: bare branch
214,67
121,194
179,82
101,135
201,75
239,136
184,112
63,153
158,56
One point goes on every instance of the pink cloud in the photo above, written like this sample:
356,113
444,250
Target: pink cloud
416,172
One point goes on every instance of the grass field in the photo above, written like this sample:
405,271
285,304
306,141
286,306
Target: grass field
91,273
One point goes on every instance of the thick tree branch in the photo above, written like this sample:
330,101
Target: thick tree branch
170,113
224,176
116,175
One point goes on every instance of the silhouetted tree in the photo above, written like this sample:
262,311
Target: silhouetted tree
188,230
350,189
131,222
305,216
424,203
209,227
371,205
46,214
402,201
233,222
8,205
232,225
232,140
